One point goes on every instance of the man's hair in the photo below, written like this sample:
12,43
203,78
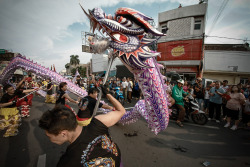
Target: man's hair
58,119
6,87
92,91
62,84
226,81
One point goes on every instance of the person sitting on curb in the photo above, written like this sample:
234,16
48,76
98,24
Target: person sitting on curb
89,145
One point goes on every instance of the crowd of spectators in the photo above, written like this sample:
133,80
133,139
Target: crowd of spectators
221,102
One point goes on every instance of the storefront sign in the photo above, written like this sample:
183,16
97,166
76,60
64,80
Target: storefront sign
182,69
180,50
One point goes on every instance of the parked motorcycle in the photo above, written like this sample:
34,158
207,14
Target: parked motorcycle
192,110
119,95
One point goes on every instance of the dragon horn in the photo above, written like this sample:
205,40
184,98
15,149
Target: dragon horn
85,11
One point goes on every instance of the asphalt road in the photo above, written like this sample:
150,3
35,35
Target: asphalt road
189,146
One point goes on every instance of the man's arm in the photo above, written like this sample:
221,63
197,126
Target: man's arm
71,100
220,93
19,84
29,90
210,92
105,106
6,104
112,117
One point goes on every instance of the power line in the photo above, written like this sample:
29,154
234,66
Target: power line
222,7
227,38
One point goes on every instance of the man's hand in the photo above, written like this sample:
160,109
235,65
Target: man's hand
14,102
105,90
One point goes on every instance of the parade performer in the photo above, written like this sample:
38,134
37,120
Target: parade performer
61,96
85,113
10,117
50,98
89,145
26,102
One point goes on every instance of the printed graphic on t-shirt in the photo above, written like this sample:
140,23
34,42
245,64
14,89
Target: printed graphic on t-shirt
107,145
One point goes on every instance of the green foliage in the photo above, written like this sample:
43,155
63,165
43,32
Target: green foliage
73,71
82,71
67,65
74,60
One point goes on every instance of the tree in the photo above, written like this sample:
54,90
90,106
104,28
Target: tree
73,71
74,60
67,65
82,71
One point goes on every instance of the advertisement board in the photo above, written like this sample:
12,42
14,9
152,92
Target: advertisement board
180,50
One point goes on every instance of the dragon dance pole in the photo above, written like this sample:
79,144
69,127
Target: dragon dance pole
31,93
104,81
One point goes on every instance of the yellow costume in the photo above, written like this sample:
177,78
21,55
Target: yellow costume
50,99
10,119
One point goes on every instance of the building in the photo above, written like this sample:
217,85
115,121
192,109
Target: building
69,67
182,47
5,57
227,62
99,63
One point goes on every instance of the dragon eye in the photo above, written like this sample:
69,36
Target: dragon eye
124,21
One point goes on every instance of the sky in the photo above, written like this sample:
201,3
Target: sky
49,31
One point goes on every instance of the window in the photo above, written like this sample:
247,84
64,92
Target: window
243,80
164,29
197,24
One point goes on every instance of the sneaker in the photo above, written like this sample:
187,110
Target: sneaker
234,127
217,121
227,125
209,119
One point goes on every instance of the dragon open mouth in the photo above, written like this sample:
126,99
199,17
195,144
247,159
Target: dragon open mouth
128,30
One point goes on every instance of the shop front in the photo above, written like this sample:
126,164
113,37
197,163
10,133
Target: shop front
186,73
184,57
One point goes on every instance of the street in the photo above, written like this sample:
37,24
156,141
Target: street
189,146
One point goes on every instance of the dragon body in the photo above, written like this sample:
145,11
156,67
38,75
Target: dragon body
128,32
28,65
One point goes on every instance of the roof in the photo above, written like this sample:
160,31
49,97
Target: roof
232,47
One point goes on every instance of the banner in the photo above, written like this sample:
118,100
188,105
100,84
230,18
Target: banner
180,50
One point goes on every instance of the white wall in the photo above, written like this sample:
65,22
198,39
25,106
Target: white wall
100,63
220,60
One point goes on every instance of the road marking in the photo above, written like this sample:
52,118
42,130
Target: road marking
192,124
41,161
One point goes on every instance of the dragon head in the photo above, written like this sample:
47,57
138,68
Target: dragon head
129,31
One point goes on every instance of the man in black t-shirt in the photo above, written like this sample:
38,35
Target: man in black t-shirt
83,115
90,145
199,95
